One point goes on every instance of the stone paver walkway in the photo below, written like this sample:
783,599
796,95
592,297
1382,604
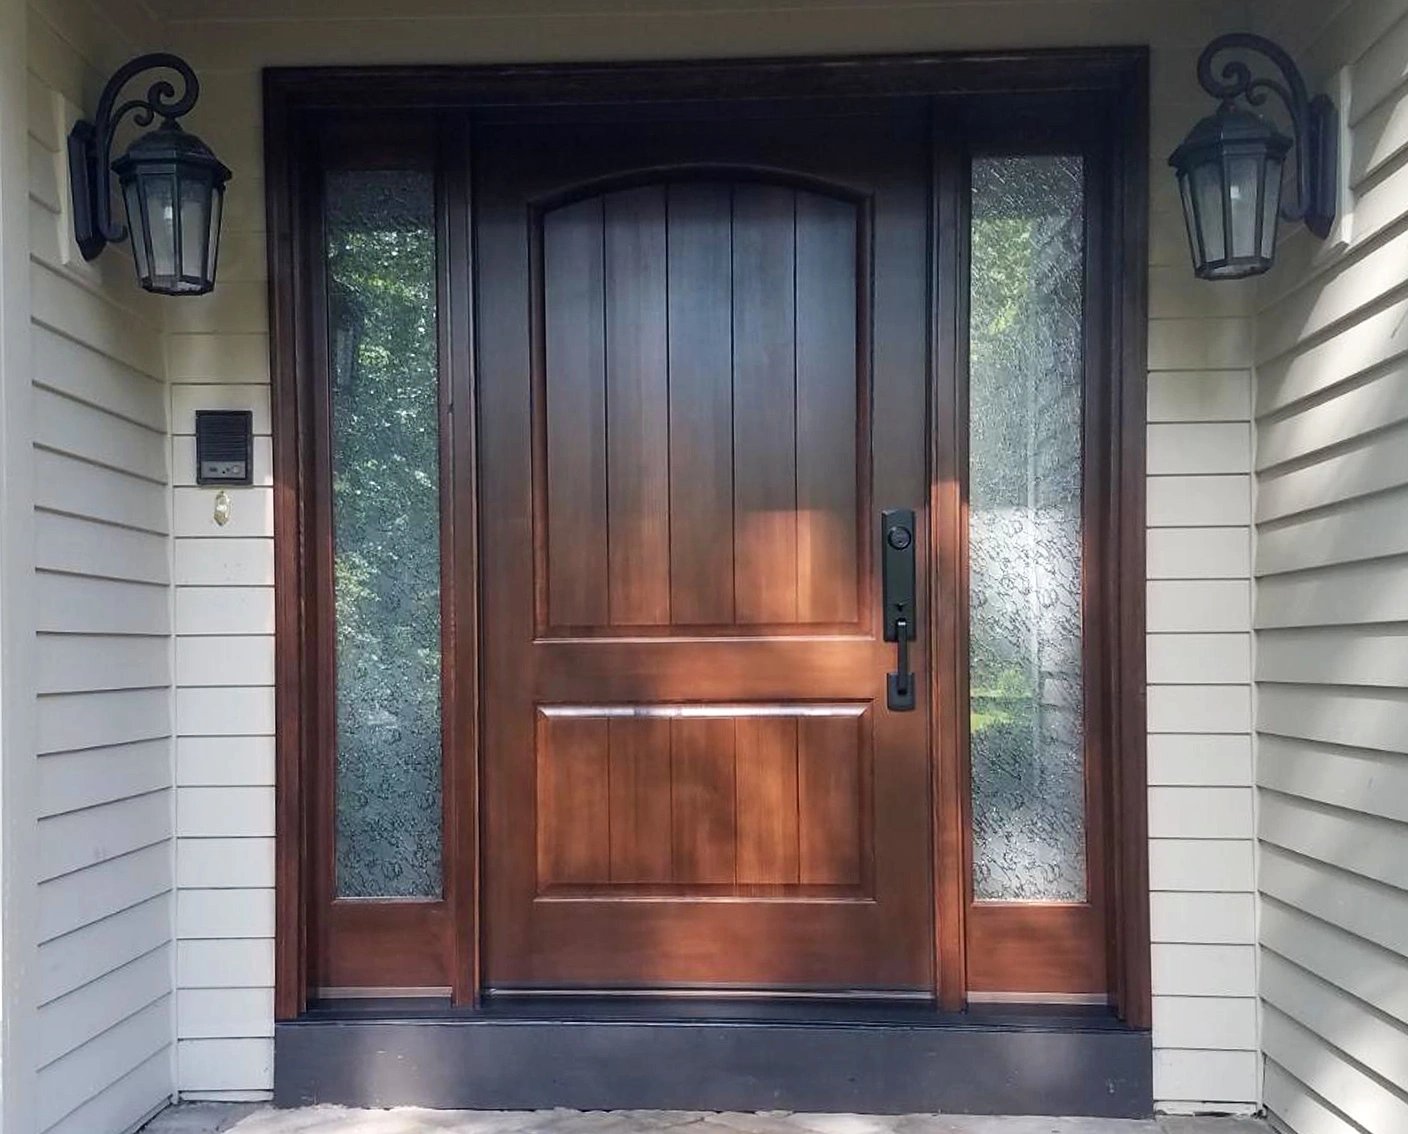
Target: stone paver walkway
212,1118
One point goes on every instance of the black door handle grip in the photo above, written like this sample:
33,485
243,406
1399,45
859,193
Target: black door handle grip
899,686
897,573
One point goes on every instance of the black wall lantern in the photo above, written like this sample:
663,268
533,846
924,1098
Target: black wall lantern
1230,165
173,186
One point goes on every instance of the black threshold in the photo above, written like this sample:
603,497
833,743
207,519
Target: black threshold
530,1053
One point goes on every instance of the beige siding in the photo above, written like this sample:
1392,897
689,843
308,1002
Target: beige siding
1332,664
104,985
1199,488
217,357
1199,665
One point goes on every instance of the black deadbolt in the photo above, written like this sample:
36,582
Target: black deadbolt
899,537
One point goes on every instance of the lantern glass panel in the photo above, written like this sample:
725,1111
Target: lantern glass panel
160,219
132,198
212,245
1271,206
1190,218
1208,200
195,230
1243,174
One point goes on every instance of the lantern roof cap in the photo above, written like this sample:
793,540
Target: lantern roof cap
1229,126
170,143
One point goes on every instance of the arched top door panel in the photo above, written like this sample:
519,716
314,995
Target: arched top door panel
702,403
723,174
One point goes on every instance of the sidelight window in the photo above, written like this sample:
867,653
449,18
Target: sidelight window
385,443
1026,372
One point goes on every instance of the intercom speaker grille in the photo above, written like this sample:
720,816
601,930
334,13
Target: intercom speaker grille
224,447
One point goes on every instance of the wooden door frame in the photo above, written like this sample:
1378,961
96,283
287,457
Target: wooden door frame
296,100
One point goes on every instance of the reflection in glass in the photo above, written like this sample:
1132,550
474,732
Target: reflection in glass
195,229
1208,196
161,201
386,531
132,195
1024,533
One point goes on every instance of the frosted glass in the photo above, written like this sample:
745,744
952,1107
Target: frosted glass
386,531
1024,534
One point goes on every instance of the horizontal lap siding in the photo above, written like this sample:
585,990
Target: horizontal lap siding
1200,514
1199,668
1199,663
217,358
1332,560
103,1053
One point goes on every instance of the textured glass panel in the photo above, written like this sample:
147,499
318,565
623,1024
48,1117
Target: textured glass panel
386,531
1024,530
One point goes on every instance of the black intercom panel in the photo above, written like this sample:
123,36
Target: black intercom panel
225,447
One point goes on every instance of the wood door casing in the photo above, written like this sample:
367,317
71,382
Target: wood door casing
684,431
1104,90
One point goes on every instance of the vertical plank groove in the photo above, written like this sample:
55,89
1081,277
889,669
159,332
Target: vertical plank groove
703,793
573,801
637,408
700,366
575,335
826,306
640,821
766,823
829,787
764,326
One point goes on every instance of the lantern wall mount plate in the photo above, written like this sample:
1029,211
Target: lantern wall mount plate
1230,165
172,185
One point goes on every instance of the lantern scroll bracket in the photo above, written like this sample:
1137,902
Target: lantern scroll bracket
90,143
1314,121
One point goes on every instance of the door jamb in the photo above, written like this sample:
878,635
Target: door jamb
294,99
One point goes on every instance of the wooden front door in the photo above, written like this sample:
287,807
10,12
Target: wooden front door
702,367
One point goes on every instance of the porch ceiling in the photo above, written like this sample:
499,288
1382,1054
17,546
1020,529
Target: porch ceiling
198,11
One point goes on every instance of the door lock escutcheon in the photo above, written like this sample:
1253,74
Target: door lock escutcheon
897,587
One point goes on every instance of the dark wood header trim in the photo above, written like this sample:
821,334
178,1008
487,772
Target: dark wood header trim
1051,69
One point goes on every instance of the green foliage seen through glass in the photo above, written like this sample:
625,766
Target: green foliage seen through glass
386,531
